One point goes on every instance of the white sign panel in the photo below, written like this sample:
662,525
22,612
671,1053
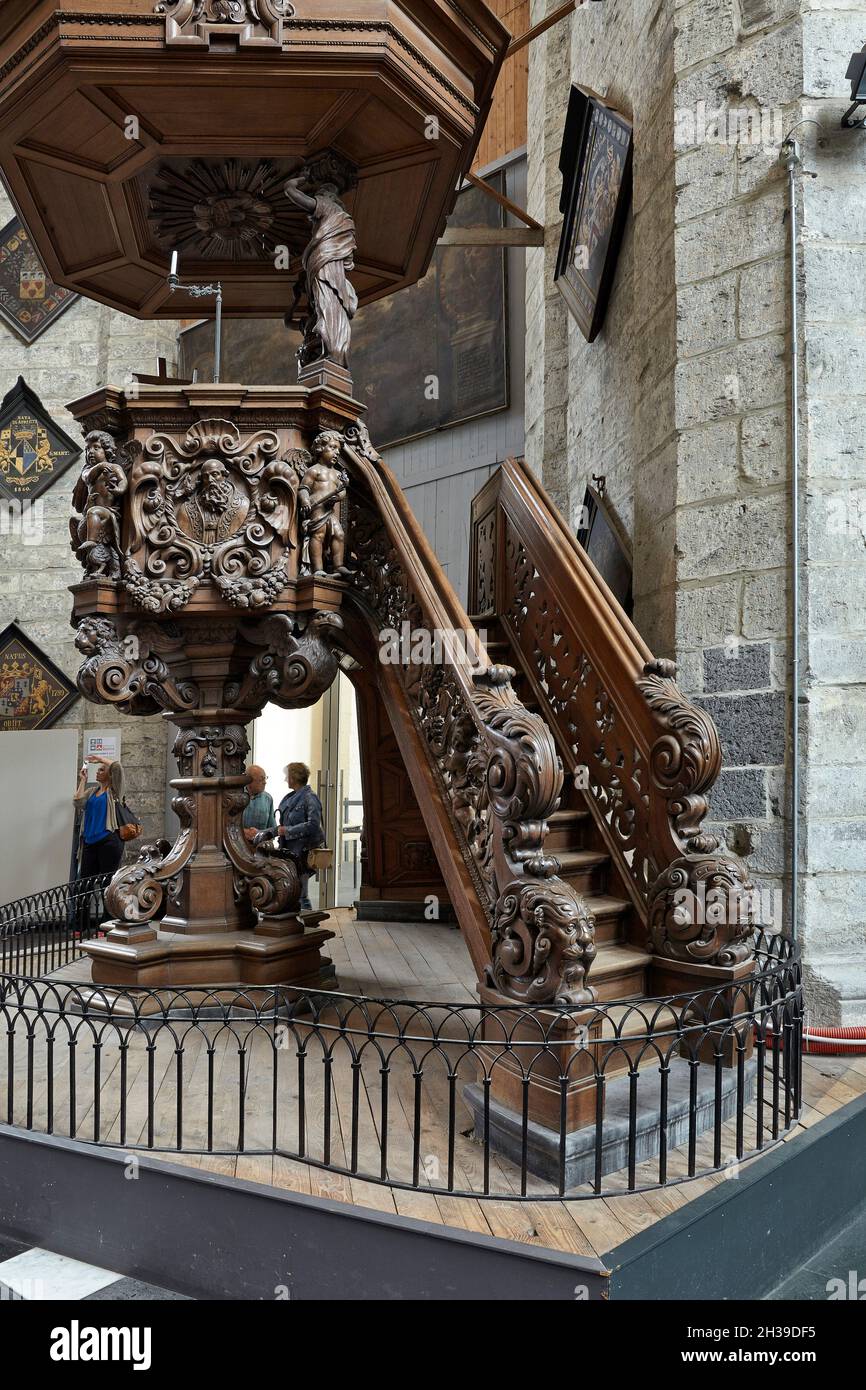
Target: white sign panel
102,743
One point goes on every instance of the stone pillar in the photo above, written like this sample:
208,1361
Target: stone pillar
546,408
683,403
833,306
759,68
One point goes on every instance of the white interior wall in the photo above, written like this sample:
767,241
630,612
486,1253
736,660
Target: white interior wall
38,773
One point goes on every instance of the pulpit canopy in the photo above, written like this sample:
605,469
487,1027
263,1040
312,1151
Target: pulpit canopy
131,129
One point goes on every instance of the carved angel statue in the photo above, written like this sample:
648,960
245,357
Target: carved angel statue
324,484
329,256
97,496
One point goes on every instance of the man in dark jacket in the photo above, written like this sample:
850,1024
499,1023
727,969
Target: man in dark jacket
300,824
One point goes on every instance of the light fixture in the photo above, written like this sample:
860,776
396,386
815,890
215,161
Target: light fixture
201,292
857,74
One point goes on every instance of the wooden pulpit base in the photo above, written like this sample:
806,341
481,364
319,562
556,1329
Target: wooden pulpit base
144,957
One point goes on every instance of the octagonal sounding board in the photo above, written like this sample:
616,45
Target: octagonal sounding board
129,128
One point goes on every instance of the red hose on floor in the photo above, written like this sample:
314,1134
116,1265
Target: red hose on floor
834,1042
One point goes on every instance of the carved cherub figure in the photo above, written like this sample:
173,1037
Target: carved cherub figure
323,487
98,492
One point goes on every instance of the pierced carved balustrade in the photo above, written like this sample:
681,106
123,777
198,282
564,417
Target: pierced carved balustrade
493,764
644,754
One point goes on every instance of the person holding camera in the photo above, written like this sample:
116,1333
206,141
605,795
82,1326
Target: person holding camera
100,846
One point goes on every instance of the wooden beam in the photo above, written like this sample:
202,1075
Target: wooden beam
504,202
542,26
493,236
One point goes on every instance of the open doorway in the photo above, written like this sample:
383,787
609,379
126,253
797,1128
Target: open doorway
325,737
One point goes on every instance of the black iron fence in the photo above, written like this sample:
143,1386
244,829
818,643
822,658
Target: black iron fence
450,1099
41,933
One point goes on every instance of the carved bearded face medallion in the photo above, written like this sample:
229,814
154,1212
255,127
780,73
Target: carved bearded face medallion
217,509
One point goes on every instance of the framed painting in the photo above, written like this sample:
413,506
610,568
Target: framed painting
30,301
602,539
34,451
436,354
596,189
34,693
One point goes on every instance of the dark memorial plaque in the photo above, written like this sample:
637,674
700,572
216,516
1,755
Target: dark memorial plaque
29,299
602,540
34,693
34,451
423,359
596,187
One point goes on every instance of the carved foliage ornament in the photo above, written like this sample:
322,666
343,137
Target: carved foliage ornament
253,22
296,665
212,506
229,209
600,742
701,906
686,759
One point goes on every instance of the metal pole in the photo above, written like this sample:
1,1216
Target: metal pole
202,292
790,155
218,335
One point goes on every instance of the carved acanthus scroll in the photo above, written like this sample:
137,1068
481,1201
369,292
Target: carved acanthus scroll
131,671
701,906
296,666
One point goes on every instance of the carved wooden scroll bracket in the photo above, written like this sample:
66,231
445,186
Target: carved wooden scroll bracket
701,905
255,23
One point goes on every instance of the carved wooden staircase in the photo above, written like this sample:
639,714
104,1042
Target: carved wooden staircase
566,891
622,963
638,757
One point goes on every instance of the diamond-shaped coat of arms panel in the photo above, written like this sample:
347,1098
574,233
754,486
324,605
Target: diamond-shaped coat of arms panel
34,693
29,299
34,451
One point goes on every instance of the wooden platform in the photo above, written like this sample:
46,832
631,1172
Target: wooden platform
425,962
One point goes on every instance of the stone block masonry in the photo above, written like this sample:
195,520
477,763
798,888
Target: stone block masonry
87,347
683,403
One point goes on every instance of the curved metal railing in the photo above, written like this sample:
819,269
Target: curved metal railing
399,1092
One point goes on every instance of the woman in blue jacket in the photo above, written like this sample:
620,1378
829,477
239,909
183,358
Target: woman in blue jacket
301,824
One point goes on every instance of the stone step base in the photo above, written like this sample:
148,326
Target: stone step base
543,1145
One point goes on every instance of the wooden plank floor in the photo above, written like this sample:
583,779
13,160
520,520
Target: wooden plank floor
100,1080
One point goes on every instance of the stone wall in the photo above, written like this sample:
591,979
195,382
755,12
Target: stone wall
89,346
683,403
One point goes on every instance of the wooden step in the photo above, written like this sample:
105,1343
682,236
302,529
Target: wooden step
619,972
584,869
566,830
609,914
